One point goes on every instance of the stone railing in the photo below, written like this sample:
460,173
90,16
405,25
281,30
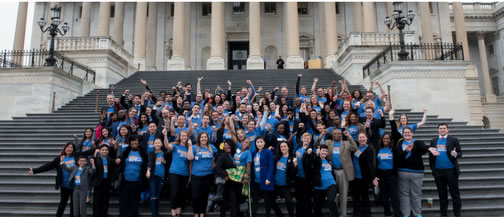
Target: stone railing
476,7
375,39
92,43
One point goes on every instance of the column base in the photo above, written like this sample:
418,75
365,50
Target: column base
216,63
139,63
491,98
255,62
330,61
176,63
294,62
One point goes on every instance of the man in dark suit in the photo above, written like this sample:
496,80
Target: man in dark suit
373,126
445,169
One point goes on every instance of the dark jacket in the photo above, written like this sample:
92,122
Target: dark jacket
98,177
315,163
152,161
374,130
117,107
367,166
291,170
267,167
451,142
120,170
129,104
144,139
223,162
415,161
86,176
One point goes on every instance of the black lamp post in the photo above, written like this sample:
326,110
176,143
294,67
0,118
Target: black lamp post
400,23
53,31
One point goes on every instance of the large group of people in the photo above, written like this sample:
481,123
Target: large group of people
230,149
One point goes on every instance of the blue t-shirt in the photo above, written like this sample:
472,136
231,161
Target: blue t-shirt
322,99
70,163
299,157
122,144
403,147
442,160
281,172
321,140
412,126
177,130
143,130
77,177
253,134
326,176
317,109
160,168
303,98
226,134
150,143
355,161
208,130
257,167
133,167
203,159
352,129
109,111
385,159
105,167
242,158
179,161
87,144
195,120
336,161
343,115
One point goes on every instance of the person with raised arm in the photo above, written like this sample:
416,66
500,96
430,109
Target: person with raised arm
301,91
410,168
403,122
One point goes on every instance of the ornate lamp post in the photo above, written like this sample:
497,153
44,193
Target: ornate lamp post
53,31
400,23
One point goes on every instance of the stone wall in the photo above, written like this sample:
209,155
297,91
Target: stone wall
30,90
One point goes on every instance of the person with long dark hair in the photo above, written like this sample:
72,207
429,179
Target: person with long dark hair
202,174
105,169
179,172
123,139
386,175
133,167
86,142
285,171
363,162
156,172
232,189
262,177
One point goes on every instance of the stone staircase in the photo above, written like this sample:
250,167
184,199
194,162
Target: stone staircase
33,140
495,114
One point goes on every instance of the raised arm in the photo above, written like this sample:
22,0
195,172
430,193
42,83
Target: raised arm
424,118
383,93
168,145
314,85
396,136
198,85
298,82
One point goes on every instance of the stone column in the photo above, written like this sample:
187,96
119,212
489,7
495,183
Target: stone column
19,35
104,19
460,28
485,73
177,61
369,16
85,24
426,22
293,60
357,17
444,20
216,60
331,34
151,37
255,60
139,35
117,33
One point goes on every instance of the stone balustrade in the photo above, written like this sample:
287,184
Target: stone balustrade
476,7
92,43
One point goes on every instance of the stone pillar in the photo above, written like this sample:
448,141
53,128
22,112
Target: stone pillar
331,34
19,35
426,22
177,61
117,33
255,60
293,61
139,35
85,24
369,16
104,19
151,37
216,60
357,17
460,28
485,73
444,20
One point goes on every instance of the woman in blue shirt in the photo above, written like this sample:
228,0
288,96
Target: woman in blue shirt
156,172
364,170
262,177
86,142
179,171
386,176
142,126
352,124
285,171
202,175
403,122
302,183
122,139
323,179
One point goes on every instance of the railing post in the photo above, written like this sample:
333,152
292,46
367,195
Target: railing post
4,59
462,50
97,96
442,52
53,102
411,51
33,58
388,97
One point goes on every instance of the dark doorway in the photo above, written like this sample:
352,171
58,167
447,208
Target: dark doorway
238,52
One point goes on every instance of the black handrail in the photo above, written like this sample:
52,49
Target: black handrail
423,51
36,58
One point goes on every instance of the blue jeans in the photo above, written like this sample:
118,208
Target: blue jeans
156,183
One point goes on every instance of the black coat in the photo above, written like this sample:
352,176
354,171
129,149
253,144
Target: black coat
315,164
98,177
120,169
415,161
451,142
291,170
367,166
374,130
152,161
223,162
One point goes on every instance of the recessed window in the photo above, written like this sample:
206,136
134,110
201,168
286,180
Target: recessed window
112,11
270,8
338,9
206,9
238,8
431,8
80,12
172,9
491,50
303,8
